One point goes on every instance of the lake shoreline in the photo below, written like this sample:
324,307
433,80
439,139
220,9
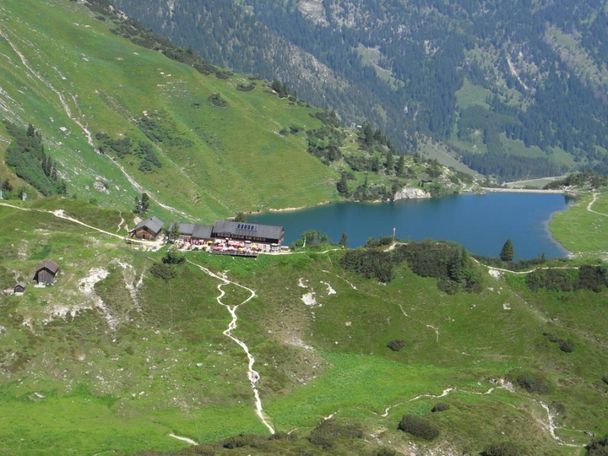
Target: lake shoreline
479,221
480,191
523,190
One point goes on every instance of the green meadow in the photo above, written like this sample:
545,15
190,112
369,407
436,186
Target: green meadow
580,231
119,369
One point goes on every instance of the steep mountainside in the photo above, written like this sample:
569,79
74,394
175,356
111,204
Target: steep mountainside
116,111
513,89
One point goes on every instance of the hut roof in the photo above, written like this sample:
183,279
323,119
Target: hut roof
50,265
202,231
153,224
249,229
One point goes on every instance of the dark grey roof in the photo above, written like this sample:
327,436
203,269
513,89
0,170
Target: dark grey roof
249,229
154,224
50,265
202,231
185,229
21,285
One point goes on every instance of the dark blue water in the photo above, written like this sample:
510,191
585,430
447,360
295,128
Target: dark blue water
481,223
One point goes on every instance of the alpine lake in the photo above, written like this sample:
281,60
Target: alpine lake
479,222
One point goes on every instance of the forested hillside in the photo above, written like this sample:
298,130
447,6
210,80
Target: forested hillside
512,89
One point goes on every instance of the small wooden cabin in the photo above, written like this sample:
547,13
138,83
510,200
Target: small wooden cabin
148,229
46,272
19,288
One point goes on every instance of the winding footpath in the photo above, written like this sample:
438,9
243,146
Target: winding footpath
592,202
252,374
59,213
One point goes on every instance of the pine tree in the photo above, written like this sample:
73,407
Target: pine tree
507,252
344,240
400,166
390,162
142,204
173,232
31,131
342,185
145,203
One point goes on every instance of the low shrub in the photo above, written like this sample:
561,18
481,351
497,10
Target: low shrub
172,257
245,87
384,241
396,345
217,100
532,383
592,278
605,379
588,277
369,263
418,427
386,452
598,447
203,450
282,436
243,440
328,432
565,345
502,449
311,239
440,407
163,271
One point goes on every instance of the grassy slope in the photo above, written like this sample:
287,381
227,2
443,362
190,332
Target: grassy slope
582,232
168,368
114,82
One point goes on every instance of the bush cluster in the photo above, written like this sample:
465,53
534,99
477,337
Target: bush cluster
163,271
588,277
245,440
447,262
440,407
582,179
418,427
327,433
245,87
565,345
502,449
159,128
172,257
217,100
598,447
28,159
124,146
311,239
533,383
396,345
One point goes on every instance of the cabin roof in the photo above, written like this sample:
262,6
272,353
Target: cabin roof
49,265
153,224
202,231
248,229
20,285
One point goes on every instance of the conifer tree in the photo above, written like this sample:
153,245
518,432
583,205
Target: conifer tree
400,166
507,252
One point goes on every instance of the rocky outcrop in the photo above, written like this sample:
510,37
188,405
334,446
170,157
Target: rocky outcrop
411,193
